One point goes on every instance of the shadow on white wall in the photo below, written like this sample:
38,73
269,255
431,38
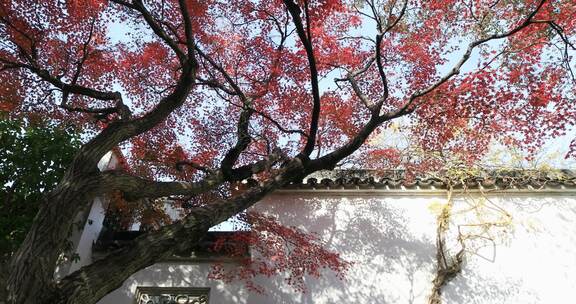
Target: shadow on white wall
391,241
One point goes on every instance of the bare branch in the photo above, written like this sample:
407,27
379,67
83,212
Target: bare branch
567,43
80,64
215,84
408,106
138,6
330,160
379,63
72,88
150,247
351,77
278,125
190,44
134,187
305,38
33,55
180,166
227,76
242,142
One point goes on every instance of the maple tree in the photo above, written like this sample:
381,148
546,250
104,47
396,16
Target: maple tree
202,94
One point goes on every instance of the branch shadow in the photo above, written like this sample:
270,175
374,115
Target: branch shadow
391,241
392,261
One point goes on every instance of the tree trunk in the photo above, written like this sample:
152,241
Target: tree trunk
32,267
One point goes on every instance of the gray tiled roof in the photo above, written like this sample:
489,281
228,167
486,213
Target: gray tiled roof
400,180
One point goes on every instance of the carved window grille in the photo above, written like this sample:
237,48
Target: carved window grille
172,295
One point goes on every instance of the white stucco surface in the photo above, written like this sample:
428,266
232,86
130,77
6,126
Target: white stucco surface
92,219
89,235
391,241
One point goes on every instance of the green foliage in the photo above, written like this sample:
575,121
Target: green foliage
33,158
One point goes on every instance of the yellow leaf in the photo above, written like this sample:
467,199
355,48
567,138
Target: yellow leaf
436,207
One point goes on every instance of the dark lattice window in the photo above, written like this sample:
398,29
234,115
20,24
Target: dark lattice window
172,295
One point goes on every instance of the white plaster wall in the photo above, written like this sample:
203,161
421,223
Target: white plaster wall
532,262
92,220
90,234
391,240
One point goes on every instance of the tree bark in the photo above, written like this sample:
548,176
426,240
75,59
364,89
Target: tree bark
32,267
92,282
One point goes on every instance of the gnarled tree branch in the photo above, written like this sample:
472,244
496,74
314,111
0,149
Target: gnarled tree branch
306,39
